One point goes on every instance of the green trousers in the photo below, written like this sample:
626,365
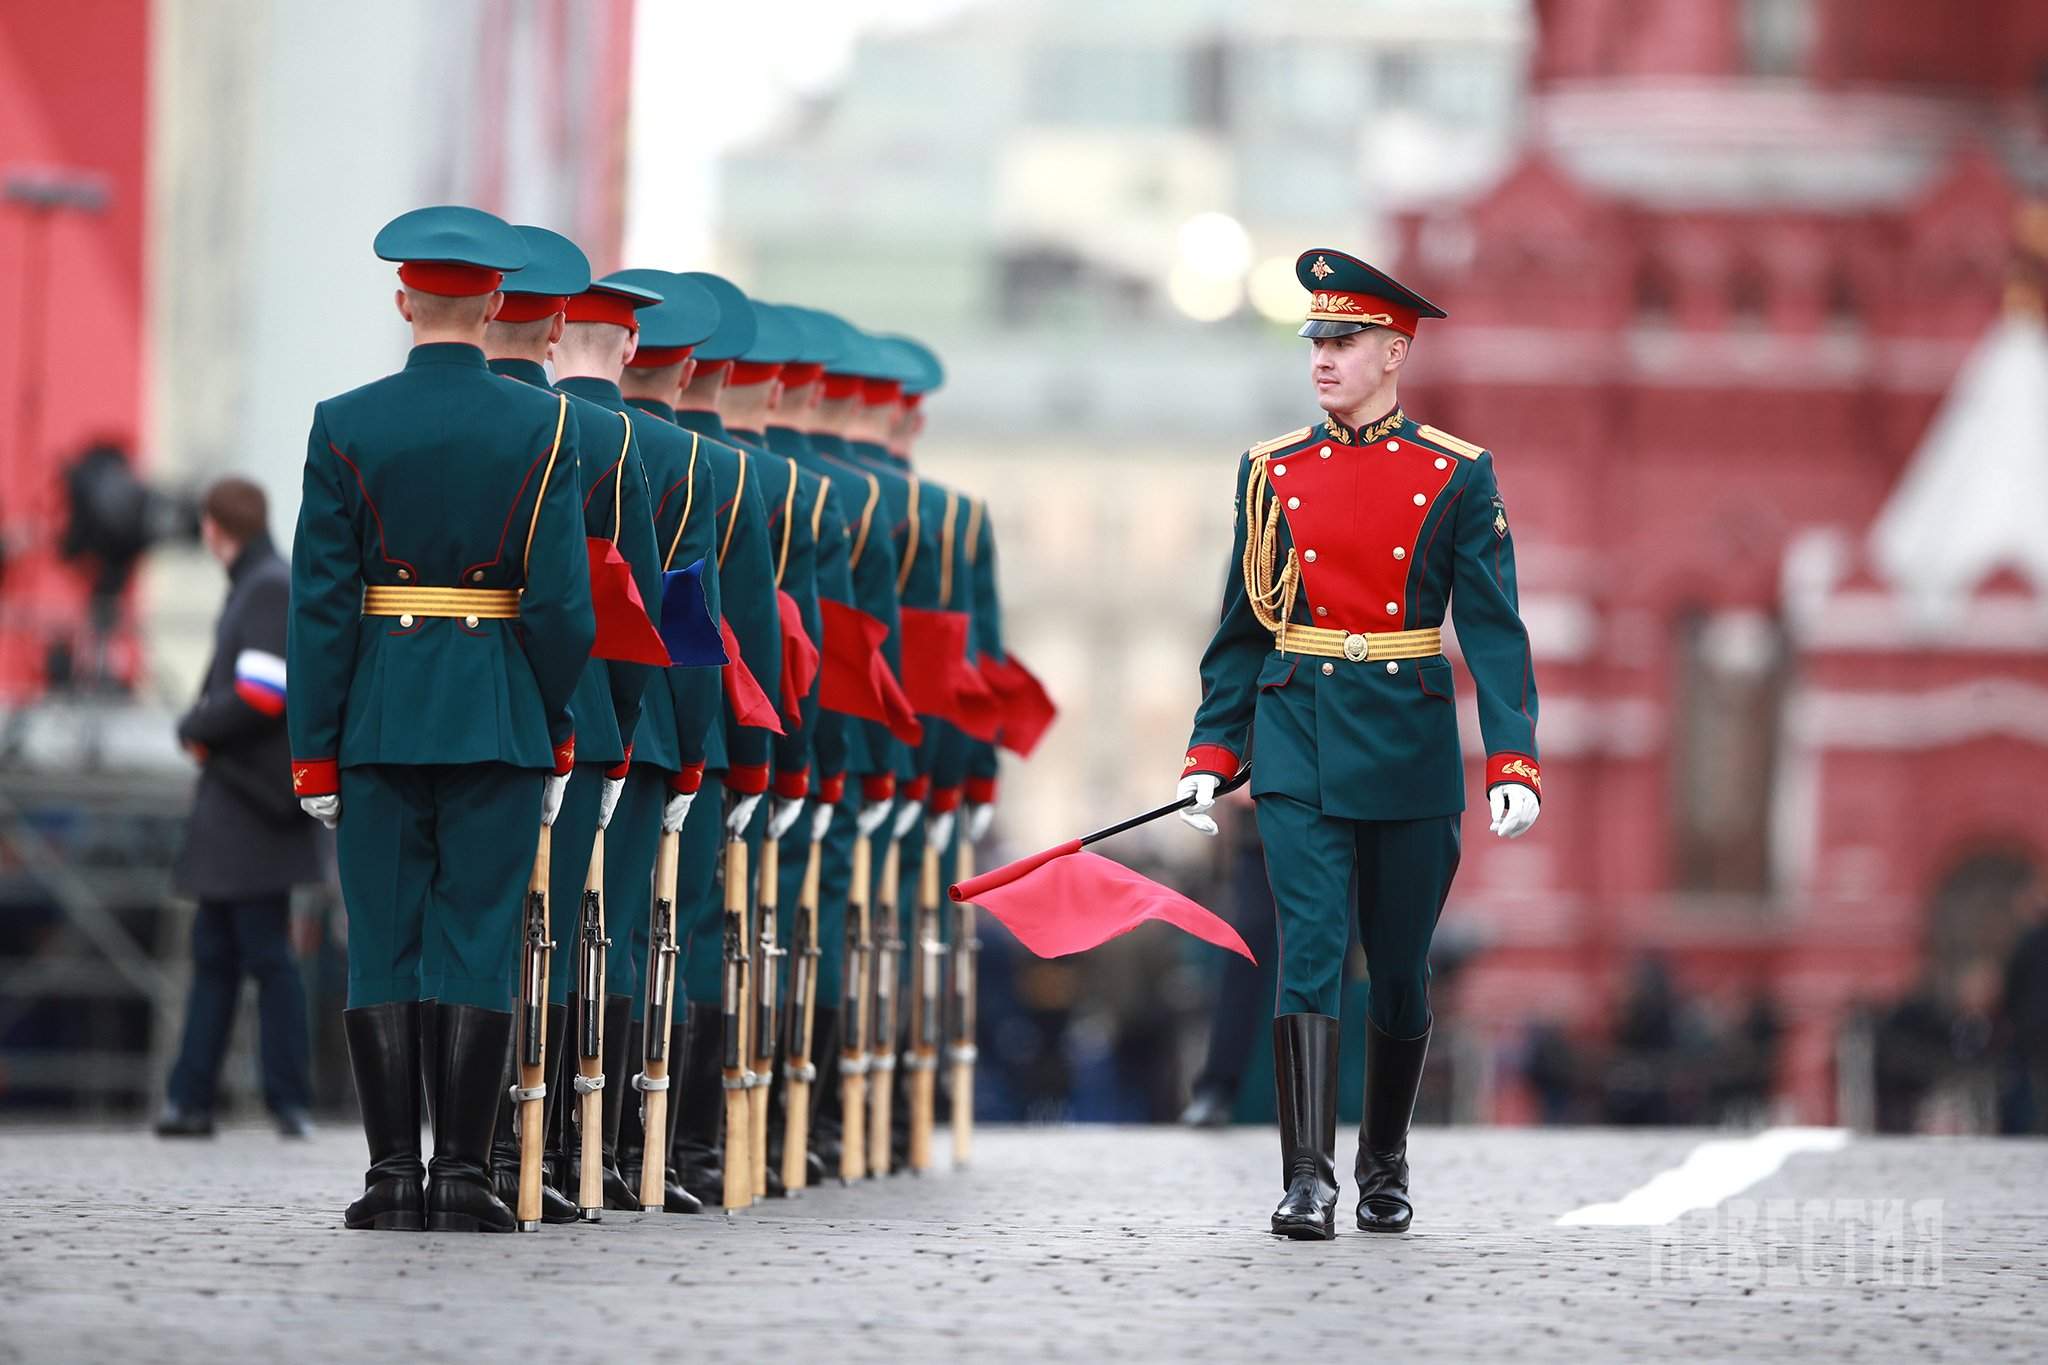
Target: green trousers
568,866
700,904
434,864
1392,874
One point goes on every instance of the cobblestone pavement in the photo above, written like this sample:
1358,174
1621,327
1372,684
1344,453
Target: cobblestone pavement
1069,1243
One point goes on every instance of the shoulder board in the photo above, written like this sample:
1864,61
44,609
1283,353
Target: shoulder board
1291,438
1450,442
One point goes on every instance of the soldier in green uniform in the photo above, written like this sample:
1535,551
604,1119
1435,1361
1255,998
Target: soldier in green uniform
737,754
599,328
863,797
441,615
669,748
1355,534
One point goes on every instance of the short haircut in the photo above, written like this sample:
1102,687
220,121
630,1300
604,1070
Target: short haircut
238,507
521,333
443,310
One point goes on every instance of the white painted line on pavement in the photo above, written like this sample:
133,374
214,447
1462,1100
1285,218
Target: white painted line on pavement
1713,1171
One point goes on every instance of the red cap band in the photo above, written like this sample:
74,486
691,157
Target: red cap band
911,400
841,386
599,307
793,375
654,357
1332,306
530,307
449,279
745,372
875,392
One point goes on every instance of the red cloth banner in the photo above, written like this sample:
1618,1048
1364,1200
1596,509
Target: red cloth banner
1066,901
750,705
799,659
857,679
624,631
1027,708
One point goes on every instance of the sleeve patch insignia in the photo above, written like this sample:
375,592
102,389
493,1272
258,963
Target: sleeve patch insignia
1500,518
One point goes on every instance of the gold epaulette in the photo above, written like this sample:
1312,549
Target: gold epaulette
1268,447
1450,442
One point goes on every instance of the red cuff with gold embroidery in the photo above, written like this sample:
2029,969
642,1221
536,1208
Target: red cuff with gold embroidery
793,786
945,799
565,756
748,779
981,791
1514,768
620,768
915,789
315,777
689,781
878,787
1210,758
833,789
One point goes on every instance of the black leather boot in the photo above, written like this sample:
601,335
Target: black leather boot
383,1052
555,1207
828,1124
557,1164
700,1108
467,1067
621,1059
1393,1073
1305,1088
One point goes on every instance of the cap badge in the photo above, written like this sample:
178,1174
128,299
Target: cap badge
1321,269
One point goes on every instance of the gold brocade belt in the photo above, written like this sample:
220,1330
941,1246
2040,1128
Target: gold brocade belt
467,604
1358,648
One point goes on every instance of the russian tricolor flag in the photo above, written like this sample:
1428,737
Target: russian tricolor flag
259,681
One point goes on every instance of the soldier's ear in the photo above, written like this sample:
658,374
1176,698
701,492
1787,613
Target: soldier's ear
404,304
556,323
689,373
497,301
632,346
1397,352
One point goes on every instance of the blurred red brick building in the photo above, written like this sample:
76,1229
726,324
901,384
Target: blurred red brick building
1793,633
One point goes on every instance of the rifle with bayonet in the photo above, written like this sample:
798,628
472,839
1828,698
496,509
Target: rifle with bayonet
853,1017
925,1022
882,1040
966,984
528,1096
798,1071
591,944
733,1011
652,1082
767,982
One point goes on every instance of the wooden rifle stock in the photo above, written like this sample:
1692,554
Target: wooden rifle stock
536,950
659,1013
853,1017
739,1181
924,1010
767,983
882,1045
590,952
965,985
798,1072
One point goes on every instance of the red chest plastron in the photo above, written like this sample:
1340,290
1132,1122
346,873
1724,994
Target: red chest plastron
1356,515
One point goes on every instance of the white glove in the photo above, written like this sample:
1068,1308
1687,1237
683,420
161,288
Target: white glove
1201,786
941,831
325,809
551,797
906,818
782,813
676,811
979,818
1515,808
821,820
608,800
871,816
742,815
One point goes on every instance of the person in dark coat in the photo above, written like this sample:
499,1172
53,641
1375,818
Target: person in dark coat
247,843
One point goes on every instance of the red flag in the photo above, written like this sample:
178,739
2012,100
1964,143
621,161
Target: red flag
750,705
857,681
979,709
1028,710
1066,901
934,652
799,659
624,631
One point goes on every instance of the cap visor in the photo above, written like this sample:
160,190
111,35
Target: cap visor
1317,327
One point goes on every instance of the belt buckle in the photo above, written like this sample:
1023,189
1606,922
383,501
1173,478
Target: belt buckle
1356,647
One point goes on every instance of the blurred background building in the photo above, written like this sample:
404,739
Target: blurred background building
1746,295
